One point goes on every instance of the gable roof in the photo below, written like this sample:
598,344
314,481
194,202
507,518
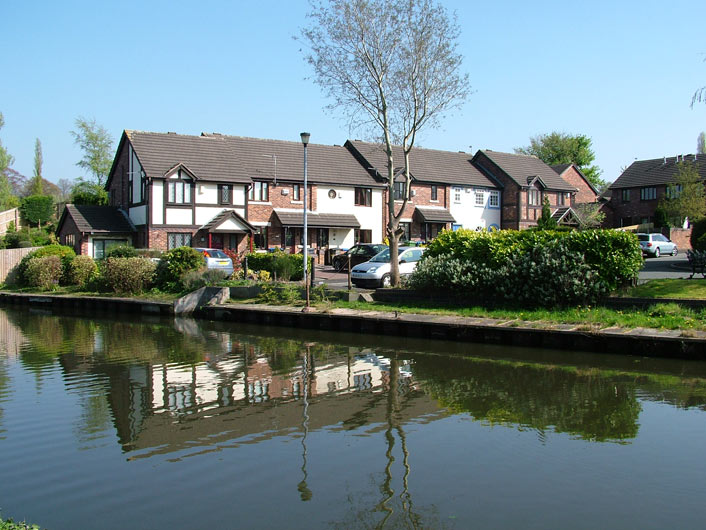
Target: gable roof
207,157
225,215
657,171
426,165
97,219
562,168
520,167
271,160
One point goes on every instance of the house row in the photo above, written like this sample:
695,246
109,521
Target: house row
168,190
635,195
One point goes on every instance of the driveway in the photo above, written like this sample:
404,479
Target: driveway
666,267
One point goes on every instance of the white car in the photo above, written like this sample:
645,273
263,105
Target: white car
217,259
376,272
656,245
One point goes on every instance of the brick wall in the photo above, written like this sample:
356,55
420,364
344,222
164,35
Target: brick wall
584,193
422,197
118,190
635,208
680,236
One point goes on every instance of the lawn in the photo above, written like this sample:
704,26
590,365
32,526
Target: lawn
668,288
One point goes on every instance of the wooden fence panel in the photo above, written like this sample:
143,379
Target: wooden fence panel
10,257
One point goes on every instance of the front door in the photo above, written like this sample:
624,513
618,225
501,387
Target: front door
217,241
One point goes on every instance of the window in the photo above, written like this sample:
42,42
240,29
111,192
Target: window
480,198
363,197
626,196
673,191
648,194
407,231
259,192
136,178
494,201
534,197
322,237
363,236
457,195
560,199
101,246
626,221
176,240
296,192
69,240
179,191
288,236
225,194
400,189
434,193
260,237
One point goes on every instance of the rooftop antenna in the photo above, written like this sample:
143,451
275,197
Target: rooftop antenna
274,157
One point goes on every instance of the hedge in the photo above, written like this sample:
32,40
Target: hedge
66,254
284,266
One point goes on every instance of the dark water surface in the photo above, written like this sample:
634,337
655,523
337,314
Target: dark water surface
156,424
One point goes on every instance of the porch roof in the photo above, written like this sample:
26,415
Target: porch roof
316,220
435,215
98,219
228,221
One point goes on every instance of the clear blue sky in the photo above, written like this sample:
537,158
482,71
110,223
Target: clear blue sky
621,72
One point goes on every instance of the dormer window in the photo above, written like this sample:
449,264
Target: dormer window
534,197
179,190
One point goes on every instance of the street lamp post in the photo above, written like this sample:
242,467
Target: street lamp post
305,141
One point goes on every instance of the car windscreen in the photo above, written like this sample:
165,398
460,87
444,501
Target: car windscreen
643,237
216,254
382,257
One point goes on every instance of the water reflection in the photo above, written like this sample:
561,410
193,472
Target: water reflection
181,389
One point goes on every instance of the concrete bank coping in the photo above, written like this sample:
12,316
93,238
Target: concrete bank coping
687,344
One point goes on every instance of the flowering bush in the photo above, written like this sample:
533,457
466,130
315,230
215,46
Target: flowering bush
44,272
128,275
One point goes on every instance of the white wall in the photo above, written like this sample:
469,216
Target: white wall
370,217
179,216
468,214
157,199
206,193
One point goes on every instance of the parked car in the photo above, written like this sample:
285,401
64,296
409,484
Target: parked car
217,259
376,272
656,245
358,254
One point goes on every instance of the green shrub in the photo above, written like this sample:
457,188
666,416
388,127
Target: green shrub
698,231
284,266
82,270
276,294
193,280
174,264
44,272
36,209
121,251
614,255
66,254
128,275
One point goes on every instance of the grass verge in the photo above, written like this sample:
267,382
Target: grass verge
669,288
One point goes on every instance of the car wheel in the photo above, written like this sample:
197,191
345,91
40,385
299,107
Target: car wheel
385,280
675,251
657,253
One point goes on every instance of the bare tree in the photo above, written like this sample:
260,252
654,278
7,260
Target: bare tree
393,69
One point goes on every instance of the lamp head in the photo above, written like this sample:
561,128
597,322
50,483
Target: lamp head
305,138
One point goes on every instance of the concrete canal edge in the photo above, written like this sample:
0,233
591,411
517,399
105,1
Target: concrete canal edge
209,304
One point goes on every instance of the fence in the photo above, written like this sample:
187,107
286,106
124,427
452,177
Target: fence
7,217
11,257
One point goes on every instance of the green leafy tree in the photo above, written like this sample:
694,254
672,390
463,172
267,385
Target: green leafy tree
392,68
97,146
37,209
37,187
590,215
88,193
546,221
6,158
685,196
8,199
561,148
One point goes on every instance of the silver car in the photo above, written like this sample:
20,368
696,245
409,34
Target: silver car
217,259
656,245
376,272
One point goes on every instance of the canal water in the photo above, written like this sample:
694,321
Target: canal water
170,424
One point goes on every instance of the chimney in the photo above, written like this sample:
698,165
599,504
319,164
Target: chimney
665,161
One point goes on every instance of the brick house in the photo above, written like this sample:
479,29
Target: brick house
572,175
91,230
635,194
525,182
447,191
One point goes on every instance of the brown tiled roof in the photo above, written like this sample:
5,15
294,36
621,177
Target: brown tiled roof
520,167
222,216
316,220
658,171
99,219
560,168
207,157
326,164
435,215
426,165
